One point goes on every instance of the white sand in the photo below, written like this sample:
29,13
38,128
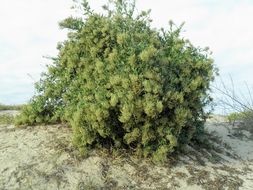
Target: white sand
42,157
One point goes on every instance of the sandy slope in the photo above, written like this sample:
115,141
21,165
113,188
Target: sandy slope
43,158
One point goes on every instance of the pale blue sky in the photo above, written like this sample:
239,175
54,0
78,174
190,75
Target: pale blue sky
29,31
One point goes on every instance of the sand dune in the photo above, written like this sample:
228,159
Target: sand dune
42,157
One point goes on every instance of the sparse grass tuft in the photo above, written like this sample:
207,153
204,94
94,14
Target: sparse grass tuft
88,185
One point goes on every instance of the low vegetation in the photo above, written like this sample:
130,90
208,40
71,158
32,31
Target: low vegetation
6,119
10,107
244,120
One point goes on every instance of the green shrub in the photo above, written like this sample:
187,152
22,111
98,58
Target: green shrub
122,84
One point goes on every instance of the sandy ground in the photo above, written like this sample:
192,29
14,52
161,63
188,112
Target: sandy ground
43,158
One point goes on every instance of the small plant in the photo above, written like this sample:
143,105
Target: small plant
120,83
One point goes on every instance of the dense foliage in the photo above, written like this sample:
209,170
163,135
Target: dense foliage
121,83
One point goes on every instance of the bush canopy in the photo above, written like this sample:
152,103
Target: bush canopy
118,82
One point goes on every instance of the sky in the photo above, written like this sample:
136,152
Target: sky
29,33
